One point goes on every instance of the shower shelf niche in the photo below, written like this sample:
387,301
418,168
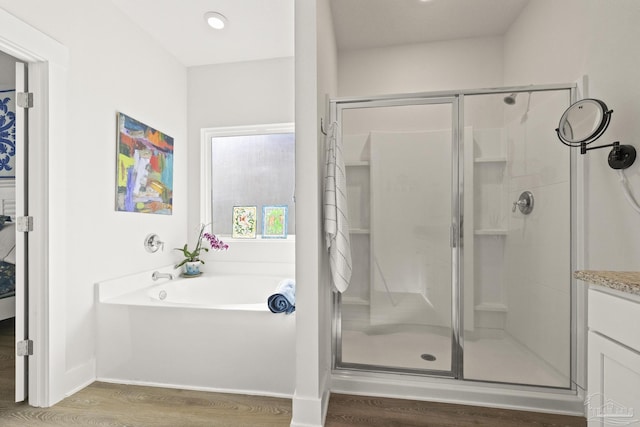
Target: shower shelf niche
499,159
357,169
491,232
488,306
354,300
490,220
359,231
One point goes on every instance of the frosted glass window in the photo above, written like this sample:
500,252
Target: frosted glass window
251,170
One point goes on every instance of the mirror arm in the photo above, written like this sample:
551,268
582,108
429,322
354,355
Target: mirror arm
584,149
620,157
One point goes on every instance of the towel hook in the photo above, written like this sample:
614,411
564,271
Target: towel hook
322,127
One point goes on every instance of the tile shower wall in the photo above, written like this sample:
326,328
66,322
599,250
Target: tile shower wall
537,248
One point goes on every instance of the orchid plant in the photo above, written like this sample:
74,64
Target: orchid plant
194,256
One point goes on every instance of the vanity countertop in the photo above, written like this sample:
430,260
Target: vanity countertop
623,281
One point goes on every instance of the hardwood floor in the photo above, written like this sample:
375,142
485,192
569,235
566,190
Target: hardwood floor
7,361
103,404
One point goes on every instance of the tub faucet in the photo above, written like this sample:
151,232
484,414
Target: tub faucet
157,275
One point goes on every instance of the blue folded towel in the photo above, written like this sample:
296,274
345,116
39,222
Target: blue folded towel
284,298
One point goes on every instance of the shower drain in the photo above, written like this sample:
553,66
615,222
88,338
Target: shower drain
428,357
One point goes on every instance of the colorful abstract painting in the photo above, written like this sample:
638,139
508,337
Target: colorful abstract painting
145,168
7,133
244,222
274,222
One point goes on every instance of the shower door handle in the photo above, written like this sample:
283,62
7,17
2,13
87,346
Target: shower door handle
452,236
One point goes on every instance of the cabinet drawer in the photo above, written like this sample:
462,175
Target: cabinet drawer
615,317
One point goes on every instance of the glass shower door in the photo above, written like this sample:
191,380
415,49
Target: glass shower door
402,176
521,333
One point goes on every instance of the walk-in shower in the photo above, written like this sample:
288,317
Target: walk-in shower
457,273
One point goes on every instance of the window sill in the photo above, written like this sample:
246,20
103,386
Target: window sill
228,239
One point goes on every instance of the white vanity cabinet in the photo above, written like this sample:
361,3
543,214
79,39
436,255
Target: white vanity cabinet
613,396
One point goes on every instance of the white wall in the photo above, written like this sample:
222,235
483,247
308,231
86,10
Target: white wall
612,64
327,88
557,42
7,71
315,80
596,38
448,65
240,93
546,44
237,94
108,71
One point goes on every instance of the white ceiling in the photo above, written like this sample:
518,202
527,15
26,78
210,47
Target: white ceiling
262,29
256,29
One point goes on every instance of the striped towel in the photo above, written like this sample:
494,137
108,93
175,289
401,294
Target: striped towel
336,223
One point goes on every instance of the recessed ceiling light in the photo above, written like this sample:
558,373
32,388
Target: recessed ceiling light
215,20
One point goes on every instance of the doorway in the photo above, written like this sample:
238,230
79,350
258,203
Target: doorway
47,61
11,263
446,267
410,264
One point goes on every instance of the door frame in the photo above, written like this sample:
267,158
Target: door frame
47,62
457,212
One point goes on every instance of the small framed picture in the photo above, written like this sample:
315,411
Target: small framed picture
244,222
274,222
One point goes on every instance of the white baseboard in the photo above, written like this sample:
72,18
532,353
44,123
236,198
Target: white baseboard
189,387
79,377
310,412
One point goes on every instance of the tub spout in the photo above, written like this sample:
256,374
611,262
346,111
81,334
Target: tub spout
157,275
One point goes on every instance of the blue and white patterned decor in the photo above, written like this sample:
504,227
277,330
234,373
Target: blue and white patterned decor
7,133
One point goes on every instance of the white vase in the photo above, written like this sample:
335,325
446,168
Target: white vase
192,268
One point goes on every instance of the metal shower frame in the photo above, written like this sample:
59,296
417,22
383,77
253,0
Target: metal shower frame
456,99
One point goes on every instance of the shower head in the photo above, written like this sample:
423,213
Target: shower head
511,99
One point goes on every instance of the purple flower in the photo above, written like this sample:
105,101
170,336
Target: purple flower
214,242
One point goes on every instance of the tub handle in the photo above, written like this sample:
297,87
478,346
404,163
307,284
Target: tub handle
157,275
152,243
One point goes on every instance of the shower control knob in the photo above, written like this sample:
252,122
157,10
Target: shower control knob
524,203
519,204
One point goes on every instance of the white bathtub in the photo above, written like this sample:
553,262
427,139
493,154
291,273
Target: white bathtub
224,292
212,332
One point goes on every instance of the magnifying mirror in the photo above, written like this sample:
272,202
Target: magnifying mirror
583,122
